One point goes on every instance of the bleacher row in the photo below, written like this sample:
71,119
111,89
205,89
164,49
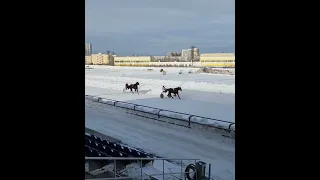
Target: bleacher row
97,147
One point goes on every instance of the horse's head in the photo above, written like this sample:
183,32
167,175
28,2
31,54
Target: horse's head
179,88
127,85
137,83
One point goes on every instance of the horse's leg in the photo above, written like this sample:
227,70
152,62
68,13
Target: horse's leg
137,90
131,90
178,96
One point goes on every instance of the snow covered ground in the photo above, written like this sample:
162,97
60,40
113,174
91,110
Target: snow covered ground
202,94
162,139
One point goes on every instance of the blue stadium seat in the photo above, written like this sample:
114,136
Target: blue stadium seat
94,145
97,147
126,150
100,147
86,141
87,151
99,140
87,136
106,143
94,153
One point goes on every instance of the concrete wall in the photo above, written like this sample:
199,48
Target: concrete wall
216,54
158,64
196,64
218,60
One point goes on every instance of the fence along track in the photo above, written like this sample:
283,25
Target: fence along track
168,116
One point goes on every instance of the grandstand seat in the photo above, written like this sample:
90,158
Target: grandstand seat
116,146
126,150
104,154
90,152
100,147
108,152
95,145
115,153
93,137
86,142
89,143
87,136
106,143
99,140
87,151
94,153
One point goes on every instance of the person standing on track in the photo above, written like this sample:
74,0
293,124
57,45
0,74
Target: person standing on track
164,89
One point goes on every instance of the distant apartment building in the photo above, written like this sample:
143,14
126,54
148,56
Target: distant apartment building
99,59
170,54
186,54
196,52
88,49
88,59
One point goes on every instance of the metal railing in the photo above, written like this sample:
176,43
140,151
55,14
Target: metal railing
143,175
158,114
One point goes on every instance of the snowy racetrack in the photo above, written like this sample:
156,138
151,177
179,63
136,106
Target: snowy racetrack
207,95
203,95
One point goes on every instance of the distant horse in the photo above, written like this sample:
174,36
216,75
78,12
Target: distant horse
175,91
132,86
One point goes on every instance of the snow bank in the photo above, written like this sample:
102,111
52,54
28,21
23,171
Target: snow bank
174,115
124,105
208,121
233,127
215,71
93,98
108,101
147,109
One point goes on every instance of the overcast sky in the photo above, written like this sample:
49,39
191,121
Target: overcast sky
155,27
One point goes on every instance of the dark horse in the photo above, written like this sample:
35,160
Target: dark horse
133,86
175,91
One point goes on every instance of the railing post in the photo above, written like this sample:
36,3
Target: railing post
209,171
141,168
115,168
159,113
195,173
181,171
190,120
230,125
163,169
